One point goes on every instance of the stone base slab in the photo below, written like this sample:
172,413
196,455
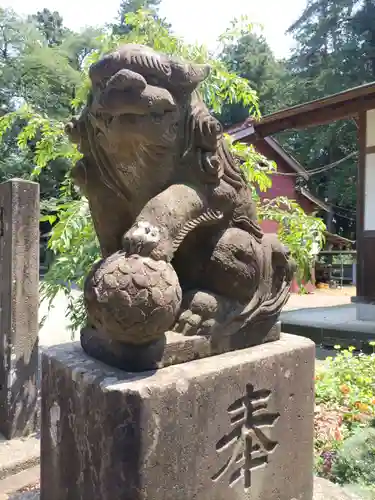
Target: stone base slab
323,490
172,349
229,427
329,326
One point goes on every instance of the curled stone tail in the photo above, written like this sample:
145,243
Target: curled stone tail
206,218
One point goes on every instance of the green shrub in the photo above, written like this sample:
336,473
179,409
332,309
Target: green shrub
355,460
347,382
345,404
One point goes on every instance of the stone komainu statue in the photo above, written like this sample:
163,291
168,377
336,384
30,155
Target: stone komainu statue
174,215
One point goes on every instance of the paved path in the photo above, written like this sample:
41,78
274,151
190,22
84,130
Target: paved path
56,330
321,298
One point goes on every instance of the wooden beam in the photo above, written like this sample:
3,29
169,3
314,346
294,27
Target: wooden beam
315,117
341,106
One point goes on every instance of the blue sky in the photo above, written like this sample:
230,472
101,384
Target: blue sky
195,20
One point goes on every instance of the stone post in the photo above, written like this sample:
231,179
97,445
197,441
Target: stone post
19,302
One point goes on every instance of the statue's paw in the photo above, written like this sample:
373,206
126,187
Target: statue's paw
141,239
190,323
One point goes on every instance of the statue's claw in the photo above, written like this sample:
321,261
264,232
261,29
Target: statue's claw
202,312
190,324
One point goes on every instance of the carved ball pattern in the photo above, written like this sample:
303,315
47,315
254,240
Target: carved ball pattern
132,299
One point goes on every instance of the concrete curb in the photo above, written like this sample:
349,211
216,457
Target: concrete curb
19,481
17,455
327,336
328,326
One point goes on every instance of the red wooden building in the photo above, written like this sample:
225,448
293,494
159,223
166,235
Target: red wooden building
284,183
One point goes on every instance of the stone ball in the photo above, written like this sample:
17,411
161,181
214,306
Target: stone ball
132,299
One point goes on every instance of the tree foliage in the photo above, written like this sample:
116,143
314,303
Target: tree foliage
124,25
40,69
51,25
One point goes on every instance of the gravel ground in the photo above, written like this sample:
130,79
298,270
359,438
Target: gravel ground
55,329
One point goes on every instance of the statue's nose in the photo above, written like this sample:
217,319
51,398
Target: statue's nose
126,79
127,92
122,93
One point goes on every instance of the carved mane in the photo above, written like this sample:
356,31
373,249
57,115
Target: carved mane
204,134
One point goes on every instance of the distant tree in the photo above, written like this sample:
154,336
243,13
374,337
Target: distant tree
42,69
77,46
128,6
252,58
51,25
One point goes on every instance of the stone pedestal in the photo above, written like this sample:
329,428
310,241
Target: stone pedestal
228,427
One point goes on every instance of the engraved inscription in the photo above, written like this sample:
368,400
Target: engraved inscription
251,446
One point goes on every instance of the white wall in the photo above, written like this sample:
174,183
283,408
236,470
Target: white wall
369,215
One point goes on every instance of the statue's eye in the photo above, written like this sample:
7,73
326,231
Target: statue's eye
152,80
103,83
